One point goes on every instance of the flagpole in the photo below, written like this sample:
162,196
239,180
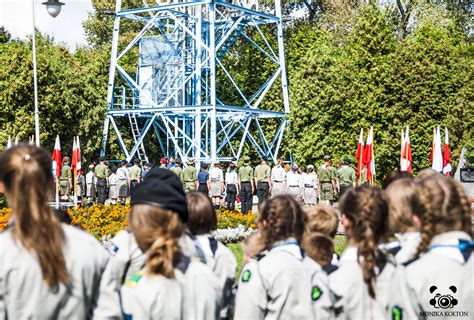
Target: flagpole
75,177
406,152
372,177
401,149
360,157
57,192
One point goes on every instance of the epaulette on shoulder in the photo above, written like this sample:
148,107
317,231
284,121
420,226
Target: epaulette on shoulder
259,256
329,268
133,280
393,251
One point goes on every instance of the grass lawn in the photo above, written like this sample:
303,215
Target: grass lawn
339,246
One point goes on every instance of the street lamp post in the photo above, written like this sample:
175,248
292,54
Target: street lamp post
54,8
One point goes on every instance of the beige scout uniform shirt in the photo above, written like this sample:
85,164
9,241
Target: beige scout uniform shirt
24,294
262,173
321,296
352,300
222,262
152,297
275,287
127,258
443,267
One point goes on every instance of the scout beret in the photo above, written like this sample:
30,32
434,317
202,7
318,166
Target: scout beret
264,158
327,157
163,189
246,159
347,160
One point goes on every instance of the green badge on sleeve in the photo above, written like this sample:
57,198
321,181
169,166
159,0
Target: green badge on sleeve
246,276
397,313
316,293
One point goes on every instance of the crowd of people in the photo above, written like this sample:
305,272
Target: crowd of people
408,255
306,185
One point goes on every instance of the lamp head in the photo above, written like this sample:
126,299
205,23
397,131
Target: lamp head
53,7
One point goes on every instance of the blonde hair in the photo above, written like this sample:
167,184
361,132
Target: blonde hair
319,247
445,207
403,203
323,219
157,232
25,171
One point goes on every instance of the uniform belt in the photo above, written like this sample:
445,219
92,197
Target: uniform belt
215,180
309,186
201,183
245,181
188,180
294,186
278,181
326,182
346,185
263,182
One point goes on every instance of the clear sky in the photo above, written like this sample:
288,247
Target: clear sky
16,17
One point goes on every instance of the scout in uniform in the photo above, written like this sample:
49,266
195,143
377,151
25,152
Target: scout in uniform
310,183
231,186
402,197
112,180
101,173
278,178
178,170
263,180
362,283
122,182
276,285
65,179
173,284
201,222
216,183
135,174
203,179
190,176
294,180
90,184
246,186
48,270
346,176
440,279
327,181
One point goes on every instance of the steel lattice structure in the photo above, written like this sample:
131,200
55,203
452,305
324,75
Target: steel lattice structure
173,94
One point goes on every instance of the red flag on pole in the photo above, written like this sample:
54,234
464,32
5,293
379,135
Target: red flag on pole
406,164
57,159
74,156
360,154
446,155
369,157
78,146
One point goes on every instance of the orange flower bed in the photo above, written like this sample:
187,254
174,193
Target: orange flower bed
4,218
232,219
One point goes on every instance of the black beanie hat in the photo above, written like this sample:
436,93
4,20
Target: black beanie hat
163,189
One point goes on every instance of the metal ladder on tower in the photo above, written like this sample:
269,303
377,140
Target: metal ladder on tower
141,153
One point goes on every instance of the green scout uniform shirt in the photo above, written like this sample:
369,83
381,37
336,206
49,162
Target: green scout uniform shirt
246,173
66,173
325,175
189,174
346,175
179,172
101,171
262,172
135,172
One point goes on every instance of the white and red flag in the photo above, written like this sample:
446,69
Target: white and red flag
446,155
76,155
369,157
57,159
9,143
406,157
360,154
437,155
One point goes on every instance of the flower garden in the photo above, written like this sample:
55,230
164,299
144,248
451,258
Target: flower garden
105,221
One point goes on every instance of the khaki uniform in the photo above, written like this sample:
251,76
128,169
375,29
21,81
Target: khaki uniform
352,300
246,196
152,297
64,178
101,172
189,177
262,175
92,294
346,176
222,262
275,286
179,172
430,283
278,180
326,175
134,173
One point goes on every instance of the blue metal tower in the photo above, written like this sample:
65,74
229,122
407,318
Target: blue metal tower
173,91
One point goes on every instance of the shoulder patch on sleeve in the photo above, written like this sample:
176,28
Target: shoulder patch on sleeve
316,293
246,275
397,313
133,280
